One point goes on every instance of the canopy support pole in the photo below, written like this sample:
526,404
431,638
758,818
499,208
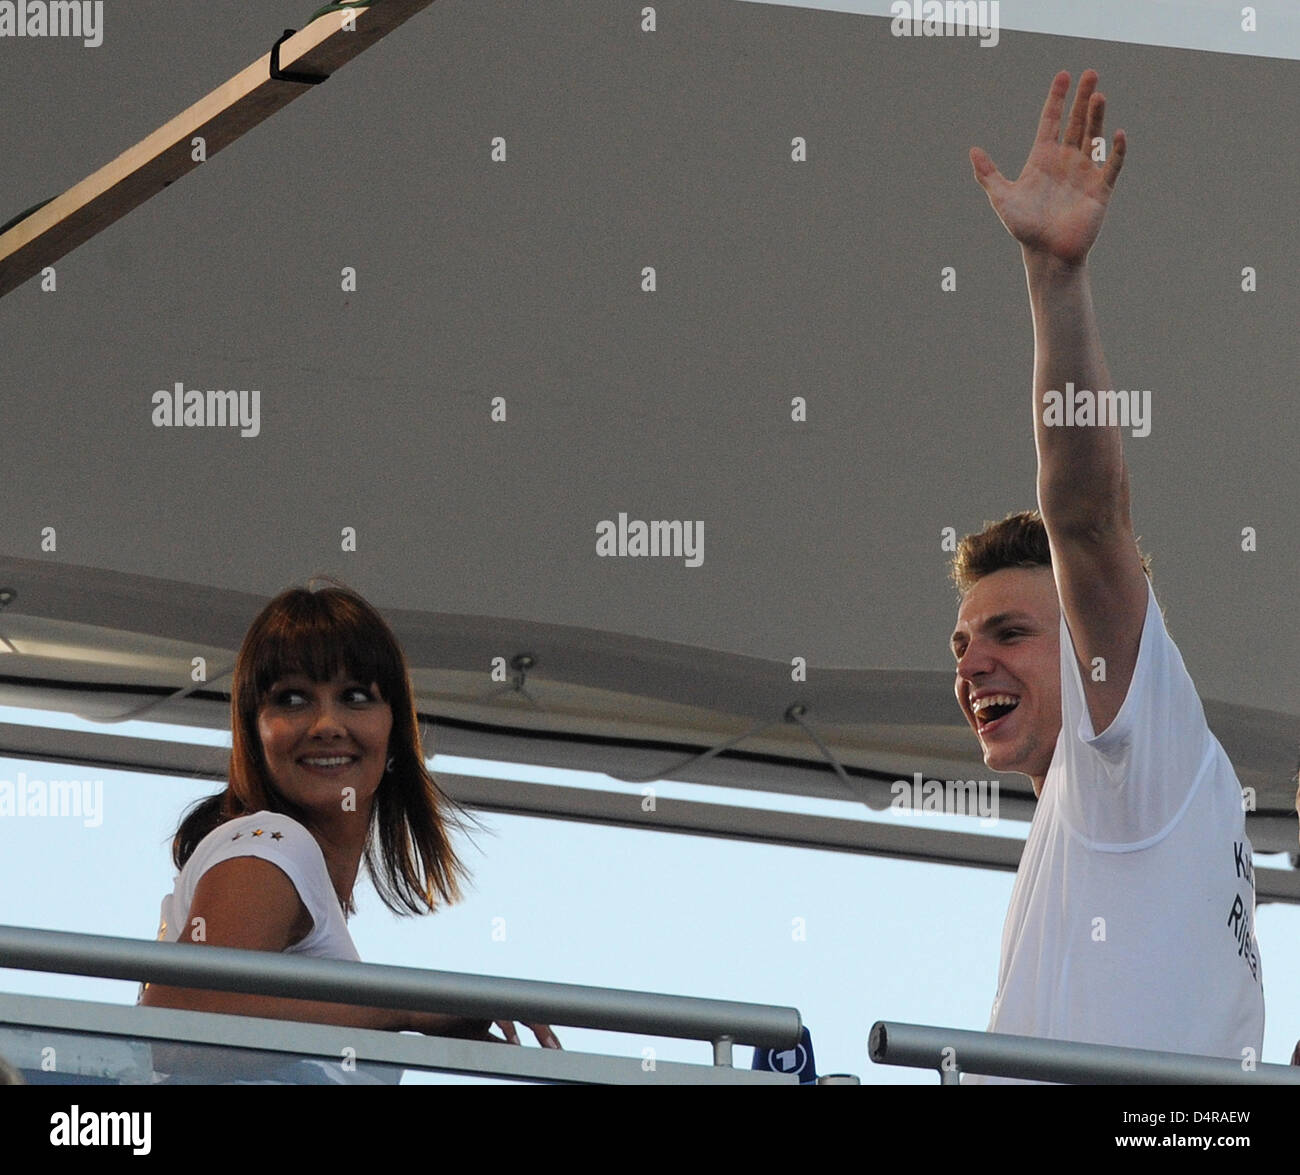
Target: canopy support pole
226,114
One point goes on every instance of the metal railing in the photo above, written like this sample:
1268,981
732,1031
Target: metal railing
720,1022
952,1051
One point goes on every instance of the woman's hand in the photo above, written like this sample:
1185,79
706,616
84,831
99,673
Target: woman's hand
545,1037
437,1024
1056,207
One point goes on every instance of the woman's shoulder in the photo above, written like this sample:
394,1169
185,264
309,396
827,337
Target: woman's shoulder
273,832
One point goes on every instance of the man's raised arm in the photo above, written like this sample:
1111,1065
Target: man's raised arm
1055,210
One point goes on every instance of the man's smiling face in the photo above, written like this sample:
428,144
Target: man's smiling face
1007,645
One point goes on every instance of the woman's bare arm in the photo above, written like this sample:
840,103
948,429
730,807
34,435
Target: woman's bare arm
250,904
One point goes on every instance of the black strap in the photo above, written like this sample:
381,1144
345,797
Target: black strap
282,75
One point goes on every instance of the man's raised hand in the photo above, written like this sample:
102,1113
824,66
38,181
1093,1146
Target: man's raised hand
1056,206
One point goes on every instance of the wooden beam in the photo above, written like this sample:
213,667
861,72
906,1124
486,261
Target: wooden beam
229,112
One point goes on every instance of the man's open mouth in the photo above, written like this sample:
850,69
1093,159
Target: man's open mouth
991,708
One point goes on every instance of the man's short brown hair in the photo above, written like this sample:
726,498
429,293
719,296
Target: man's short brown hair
1019,540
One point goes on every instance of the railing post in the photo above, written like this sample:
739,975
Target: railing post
722,1051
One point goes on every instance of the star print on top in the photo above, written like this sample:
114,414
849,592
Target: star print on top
274,837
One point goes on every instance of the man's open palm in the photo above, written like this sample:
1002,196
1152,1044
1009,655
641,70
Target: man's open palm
1057,205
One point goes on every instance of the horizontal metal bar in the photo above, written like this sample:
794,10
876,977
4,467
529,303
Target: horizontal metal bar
995,1054
92,751
381,986
736,769
596,806
734,822
875,838
331,1042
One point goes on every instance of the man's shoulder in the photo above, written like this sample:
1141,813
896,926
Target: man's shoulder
1159,690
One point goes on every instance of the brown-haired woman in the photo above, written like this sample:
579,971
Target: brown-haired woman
326,770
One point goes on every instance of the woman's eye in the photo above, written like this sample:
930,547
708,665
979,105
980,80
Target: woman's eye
355,693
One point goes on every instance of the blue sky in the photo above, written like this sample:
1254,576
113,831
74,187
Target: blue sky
611,907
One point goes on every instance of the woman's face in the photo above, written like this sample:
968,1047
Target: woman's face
326,743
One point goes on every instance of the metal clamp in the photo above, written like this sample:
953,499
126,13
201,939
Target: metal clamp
282,75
